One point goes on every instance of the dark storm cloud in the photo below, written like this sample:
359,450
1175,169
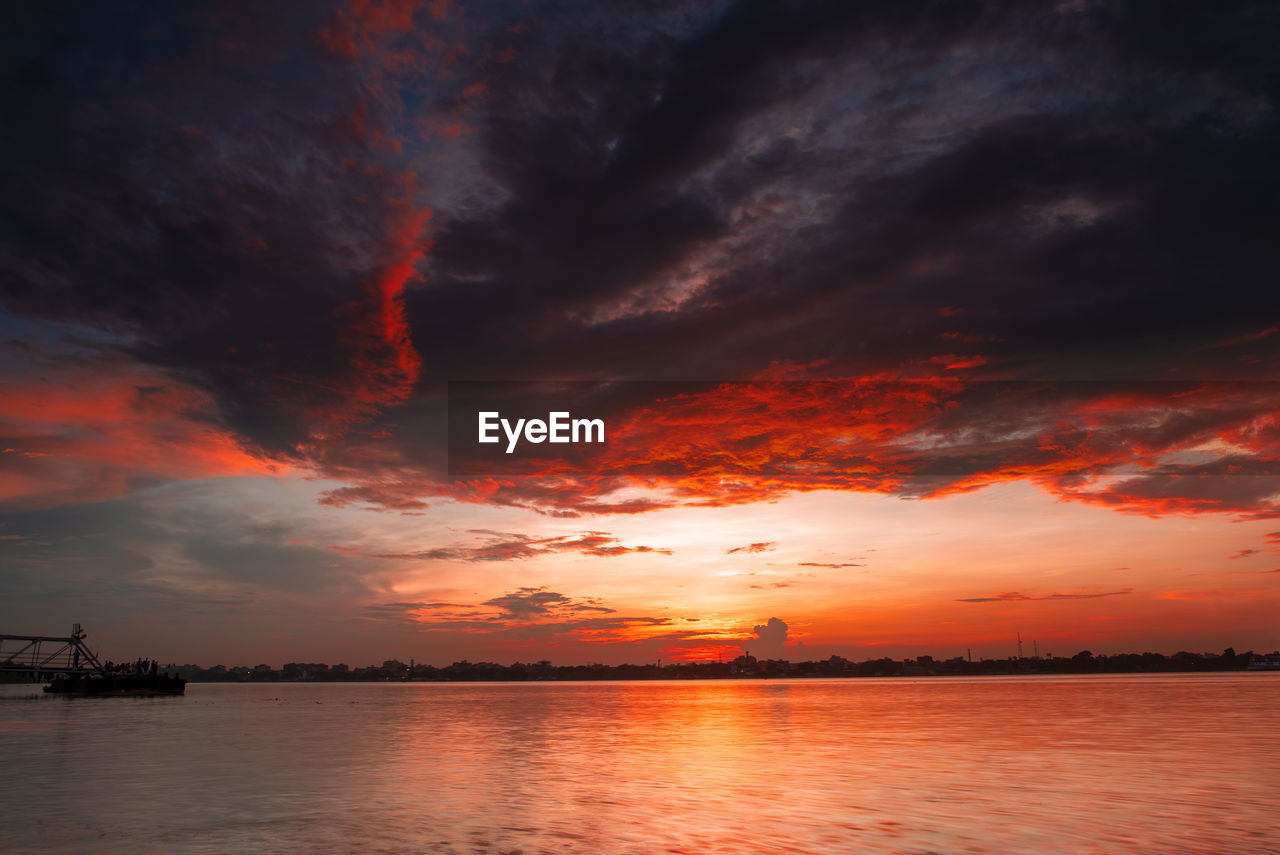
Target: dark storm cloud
202,183
1086,190
676,190
1067,194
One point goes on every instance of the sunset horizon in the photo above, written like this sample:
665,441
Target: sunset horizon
786,427
911,338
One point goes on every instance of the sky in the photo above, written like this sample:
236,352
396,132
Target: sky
915,328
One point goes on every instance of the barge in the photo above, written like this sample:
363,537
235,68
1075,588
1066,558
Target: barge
73,669
104,685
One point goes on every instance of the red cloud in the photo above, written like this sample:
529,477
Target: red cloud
385,365
763,546
1154,448
89,432
953,362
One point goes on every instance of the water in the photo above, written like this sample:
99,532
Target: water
1124,764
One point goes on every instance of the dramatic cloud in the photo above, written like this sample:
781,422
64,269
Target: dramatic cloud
256,239
781,249
1138,447
676,168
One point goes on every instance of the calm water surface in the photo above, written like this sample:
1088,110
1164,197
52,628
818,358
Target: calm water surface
1129,764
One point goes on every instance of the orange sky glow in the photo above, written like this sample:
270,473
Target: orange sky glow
907,343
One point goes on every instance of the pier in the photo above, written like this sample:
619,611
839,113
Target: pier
41,657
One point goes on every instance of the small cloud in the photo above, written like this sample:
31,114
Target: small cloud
537,602
1244,553
954,362
763,546
1015,597
823,564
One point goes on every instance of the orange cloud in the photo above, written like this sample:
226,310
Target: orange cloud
763,546
1154,448
83,433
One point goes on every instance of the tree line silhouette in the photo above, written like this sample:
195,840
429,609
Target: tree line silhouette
744,666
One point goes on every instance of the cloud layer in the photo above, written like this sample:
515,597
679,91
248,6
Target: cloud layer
363,200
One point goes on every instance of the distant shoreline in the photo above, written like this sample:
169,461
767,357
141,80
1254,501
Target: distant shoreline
743,667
